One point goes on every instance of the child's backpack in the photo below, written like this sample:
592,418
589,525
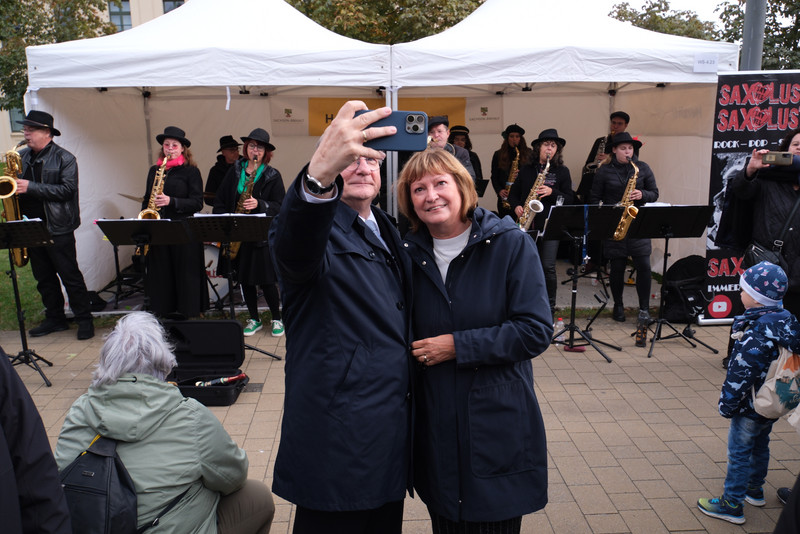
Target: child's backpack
780,392
99,491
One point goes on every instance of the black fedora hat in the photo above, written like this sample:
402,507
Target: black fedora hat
625,137
437,120
513,128
622,115
260,135
459,130
551,134
173,132
40,119
227,141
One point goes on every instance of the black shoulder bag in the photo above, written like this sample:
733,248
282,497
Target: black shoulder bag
756,253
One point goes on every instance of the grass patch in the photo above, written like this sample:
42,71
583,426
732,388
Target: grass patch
29,296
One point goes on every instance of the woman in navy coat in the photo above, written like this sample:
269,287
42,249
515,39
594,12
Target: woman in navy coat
480,313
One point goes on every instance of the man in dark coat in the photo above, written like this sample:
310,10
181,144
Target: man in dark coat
229,153
439,131
48,189
31,498
345,453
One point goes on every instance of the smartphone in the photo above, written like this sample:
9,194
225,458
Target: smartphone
412,131
778,158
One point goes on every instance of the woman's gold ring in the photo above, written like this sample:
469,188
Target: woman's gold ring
364,133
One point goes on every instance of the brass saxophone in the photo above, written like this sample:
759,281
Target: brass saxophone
630,211
233,248
8,194
532,204
592,166
151,211
512,176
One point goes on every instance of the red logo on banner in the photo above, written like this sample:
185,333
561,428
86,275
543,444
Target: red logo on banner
720,307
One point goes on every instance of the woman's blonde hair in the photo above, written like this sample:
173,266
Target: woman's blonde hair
435,161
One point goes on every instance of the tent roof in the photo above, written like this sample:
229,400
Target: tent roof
235,42
527,41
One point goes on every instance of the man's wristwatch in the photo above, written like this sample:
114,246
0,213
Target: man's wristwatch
315,187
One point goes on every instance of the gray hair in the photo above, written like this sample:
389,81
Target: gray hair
138,344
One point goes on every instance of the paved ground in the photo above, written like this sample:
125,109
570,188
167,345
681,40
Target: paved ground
632,444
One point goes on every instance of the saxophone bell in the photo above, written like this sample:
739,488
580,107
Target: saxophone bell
536,206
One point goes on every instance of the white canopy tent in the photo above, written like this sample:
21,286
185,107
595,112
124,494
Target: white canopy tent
213,71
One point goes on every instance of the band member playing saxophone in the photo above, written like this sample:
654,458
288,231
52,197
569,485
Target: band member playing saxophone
611,183
548,147
514,148
176,281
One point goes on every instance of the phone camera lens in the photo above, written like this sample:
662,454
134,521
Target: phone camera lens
410,118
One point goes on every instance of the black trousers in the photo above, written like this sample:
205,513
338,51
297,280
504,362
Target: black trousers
388,519
616,279
59,261
440,525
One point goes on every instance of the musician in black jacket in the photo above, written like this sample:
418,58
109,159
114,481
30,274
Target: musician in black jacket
459,136
176,277
228,153
557,184
610,184
253,263
502,161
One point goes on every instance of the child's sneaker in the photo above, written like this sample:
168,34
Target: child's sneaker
722,509
277,328
252,327
755,496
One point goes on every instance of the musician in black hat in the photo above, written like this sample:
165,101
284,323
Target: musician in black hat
229,152
618,123
514,145
253,261
439,132
48,189
610,186
459,136
557,183
176,278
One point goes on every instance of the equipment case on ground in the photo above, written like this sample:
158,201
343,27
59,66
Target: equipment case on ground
206,350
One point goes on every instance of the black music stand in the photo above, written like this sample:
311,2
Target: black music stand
24,234
666,222
226,229
575,223
143,233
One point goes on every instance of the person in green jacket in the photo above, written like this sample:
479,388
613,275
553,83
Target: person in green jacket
168,443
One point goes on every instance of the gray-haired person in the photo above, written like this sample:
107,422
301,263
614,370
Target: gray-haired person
130,401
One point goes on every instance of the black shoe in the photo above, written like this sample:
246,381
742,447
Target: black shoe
48,326
725,361
784,494
86,329
618,313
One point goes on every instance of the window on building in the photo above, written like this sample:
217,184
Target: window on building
169,5
15,115
120,14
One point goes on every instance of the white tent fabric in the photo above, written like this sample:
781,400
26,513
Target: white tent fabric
185,60
538,41
214,43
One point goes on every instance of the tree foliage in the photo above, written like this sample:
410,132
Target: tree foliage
386,21
35,22
657,16
781,36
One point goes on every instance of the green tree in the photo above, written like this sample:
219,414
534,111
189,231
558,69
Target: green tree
657,16
781,36
386,21
35,22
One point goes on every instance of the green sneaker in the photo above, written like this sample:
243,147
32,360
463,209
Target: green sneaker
277,328
252,327
722,509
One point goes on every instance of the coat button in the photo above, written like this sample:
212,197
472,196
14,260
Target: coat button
408,395
400,306
424,263
405,245
371,254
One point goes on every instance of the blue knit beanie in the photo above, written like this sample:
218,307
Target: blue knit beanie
765,282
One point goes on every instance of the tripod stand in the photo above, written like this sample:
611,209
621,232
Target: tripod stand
573,222
667,222
226,229
24,234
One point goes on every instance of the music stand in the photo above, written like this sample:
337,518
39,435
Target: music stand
226,229
576,223
142,233
24,234
666,222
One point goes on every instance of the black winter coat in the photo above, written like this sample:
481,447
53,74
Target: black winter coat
58,189
346,431
558,178
608,187
31,498
215,176
480,447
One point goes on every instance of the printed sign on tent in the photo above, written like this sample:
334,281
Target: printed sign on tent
289,116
